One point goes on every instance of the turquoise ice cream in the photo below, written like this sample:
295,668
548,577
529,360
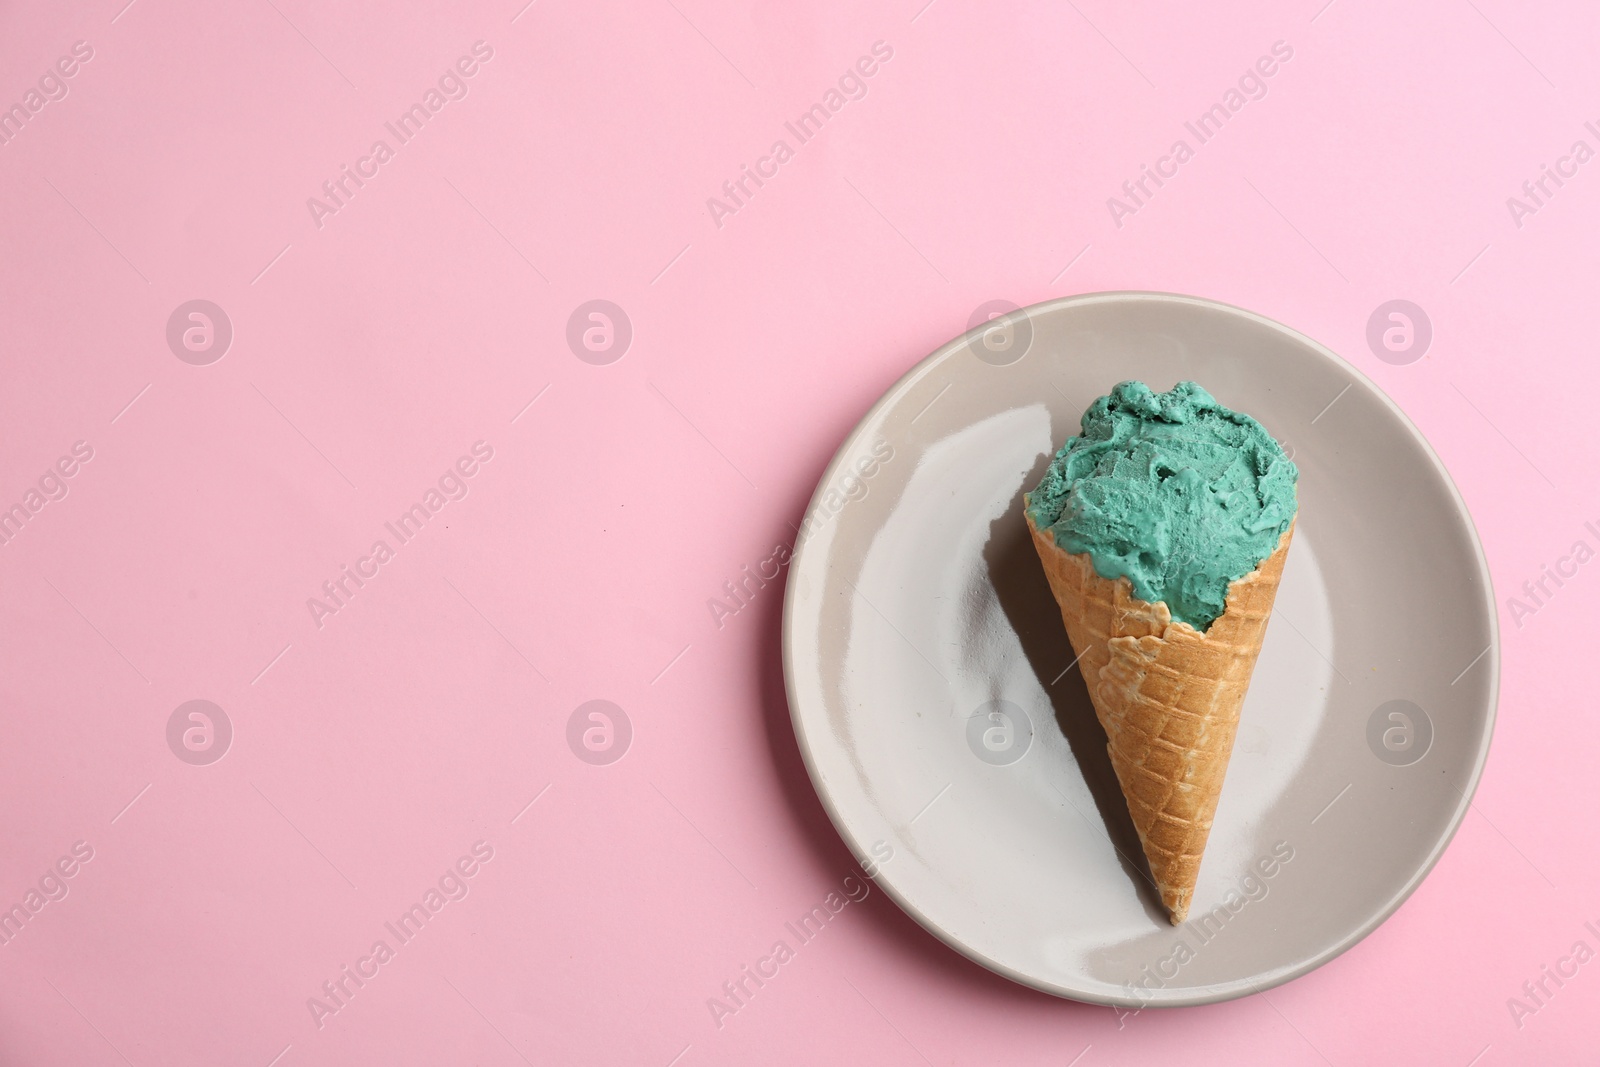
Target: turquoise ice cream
1172,491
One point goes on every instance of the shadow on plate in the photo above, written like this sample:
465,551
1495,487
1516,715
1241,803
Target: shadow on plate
813,831
1024,594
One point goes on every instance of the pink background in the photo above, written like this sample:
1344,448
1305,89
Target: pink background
368,354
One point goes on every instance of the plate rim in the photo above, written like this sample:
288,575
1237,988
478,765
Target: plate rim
1199,995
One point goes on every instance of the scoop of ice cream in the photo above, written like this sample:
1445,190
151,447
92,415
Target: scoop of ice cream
1172,491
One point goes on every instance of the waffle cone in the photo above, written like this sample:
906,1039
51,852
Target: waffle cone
1168,697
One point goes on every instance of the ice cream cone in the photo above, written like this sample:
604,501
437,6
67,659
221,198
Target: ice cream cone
1168,697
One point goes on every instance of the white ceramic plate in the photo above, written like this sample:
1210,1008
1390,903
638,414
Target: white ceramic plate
928,677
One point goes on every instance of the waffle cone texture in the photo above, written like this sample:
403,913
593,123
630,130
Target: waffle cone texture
1168,697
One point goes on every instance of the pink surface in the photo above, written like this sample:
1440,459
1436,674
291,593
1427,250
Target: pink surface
375,747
